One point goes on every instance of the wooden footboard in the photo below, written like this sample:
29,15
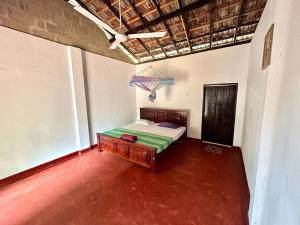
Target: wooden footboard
133,152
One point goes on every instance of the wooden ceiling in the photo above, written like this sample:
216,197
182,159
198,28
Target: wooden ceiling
192,25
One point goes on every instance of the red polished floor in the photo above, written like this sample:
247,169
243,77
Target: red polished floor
192,187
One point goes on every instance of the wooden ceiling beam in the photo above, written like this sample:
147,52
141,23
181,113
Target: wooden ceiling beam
144,21
171,15
127,10
133,20
115,2
239,19
101,10
140,3
184,24
164,38
211,24
165,24
149,12
116,14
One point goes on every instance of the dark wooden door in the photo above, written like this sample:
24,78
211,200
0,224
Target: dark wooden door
218,116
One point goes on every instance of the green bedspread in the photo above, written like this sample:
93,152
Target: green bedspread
153,140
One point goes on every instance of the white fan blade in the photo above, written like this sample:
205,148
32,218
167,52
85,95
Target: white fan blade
107,34
115,44
74,3
106,27
147,35
95,19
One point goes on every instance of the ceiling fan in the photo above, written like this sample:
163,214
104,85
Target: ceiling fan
118,36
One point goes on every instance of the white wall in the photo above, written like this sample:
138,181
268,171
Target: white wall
44,99
255,99
37,119
273,161
227,65
76,71
110,98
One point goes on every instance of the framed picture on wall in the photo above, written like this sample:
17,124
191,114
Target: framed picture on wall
268,48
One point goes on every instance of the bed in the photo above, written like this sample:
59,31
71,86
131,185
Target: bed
141,152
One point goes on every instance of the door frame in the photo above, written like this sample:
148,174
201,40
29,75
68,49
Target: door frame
203,106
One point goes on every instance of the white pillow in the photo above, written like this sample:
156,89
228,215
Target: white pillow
144,122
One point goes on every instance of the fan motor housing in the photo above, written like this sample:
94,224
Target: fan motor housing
121,37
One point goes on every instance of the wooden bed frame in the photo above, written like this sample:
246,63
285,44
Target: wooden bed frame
138,153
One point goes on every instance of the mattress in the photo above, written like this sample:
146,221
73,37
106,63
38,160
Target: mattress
175,134
156,141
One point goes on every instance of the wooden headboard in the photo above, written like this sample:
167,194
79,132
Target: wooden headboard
158,115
